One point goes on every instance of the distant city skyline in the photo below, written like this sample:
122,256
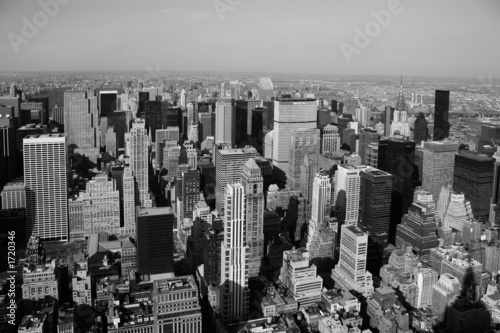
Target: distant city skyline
423,38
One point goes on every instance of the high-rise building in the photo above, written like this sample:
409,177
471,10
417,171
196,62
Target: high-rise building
347,184
366,137
45,108
495,196
320,204
234,256
441,109
473,176
420,129
33,112
206,125
371,155
302,142
439,161
457,213
7,153
426,278
107,102
235,89
129,216
81,118
253,183
331,140
139,151
225,121
176,305
290,114
350,272
155,240
190,192
375,207
307,173
212,241
46,179
229,164
13,195
418,230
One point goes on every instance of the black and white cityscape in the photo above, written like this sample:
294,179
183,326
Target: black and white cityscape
236,166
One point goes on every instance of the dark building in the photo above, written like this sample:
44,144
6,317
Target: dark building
45,108
212,255
324,118
12,220
158,115
204,107
155,240
116,173
206,125
173,118
297,215
275,249
272,225
207,181
190,191
388,117
268,116
343,124
141,104
257,131
7,152
120,121
349,139
107,102
473,176
396,157
441,109
366,137
420,129
375,204
490,134
241,109
334,106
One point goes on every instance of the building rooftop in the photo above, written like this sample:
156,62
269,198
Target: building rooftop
175,284
293,99
153,211
476,156
45,136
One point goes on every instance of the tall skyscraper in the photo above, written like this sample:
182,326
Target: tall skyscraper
331,140
366,137
290,114
253,183
81,118
375,209
302,142
350,272
439,161
234,257
495,195
129,216
229,164
307,173
46,179
190,192
107,102
225,121
420,129
13,195
235,89
441,109
139,145
473,176
320,205
7,152
346,192
155,240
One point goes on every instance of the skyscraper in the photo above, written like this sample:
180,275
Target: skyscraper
155,240
441,109
81,118
473,176
350,272
190,192
375,209
107,102
331,140
495,195
13,195
234,256
235,89
225,121
307,173
302,142
420,131
346,192
7,152
253,183
229,164
290,114
320,205
366,137
139,145
129,226
439,161
45,179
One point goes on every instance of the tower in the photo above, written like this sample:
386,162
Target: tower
139,145
81,118
439,161
302,142
346,192
331,139
320,205
225,121
234,256
253,183
421,131
441,109
45,179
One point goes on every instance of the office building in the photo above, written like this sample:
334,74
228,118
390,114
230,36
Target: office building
426,278
206,125
371,155
212,241
13,195
107,102
190,192
225,121
473,176
439,162
366,137
290,114
420,130
307,173
418,230
253,183
40,281
155,240
129,217
33,112
234,256
139,152
441,109
7,153
375,208
81,118
229,164
320,204
457,213
350,272
120,121
176,305
45,179
331,140
495,195
45,108
302,142
346,193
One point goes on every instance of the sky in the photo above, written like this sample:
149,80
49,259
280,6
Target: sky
442,38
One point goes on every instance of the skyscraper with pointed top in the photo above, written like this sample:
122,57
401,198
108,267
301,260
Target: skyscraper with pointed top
400,123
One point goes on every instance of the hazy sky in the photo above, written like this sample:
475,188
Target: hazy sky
426,37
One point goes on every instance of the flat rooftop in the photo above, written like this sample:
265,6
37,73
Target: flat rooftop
175,284
154,211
